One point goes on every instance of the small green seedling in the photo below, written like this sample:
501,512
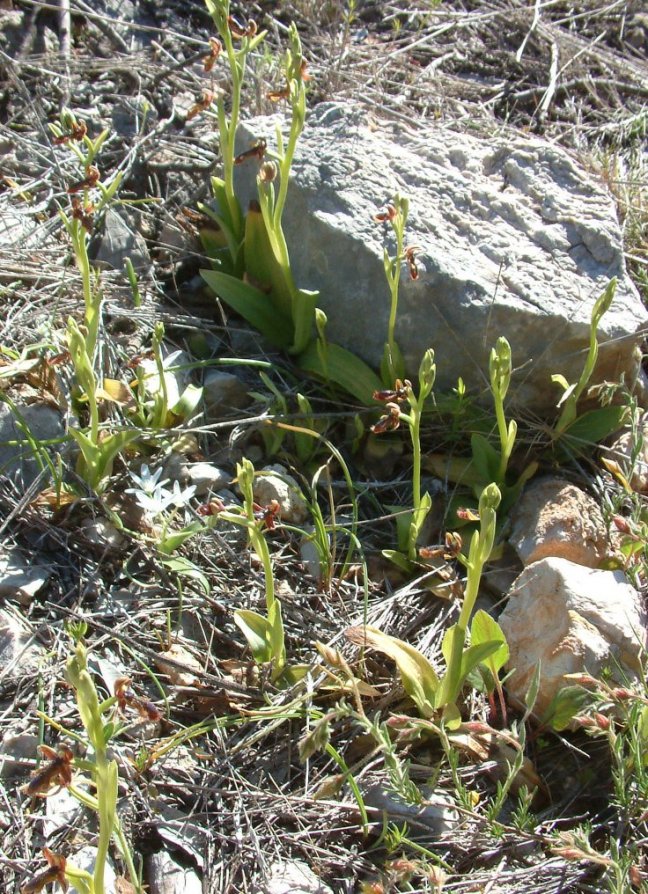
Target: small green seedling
97,448
264,635
489,464
434,695
571,430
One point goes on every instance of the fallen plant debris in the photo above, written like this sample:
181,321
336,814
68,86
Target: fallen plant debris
251,581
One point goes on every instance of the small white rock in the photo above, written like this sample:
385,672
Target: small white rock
431,819
102,533
310,555
570,619
293,877
206,478
223,392
61,811
86,859
19,652
556,518
15,752
274,483
167,877
203,476
19,578
176,375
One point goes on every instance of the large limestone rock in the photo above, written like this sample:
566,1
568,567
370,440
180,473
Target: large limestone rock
555,518
514,238
571,619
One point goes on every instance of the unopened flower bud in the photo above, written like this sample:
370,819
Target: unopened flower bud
622,694
500,367
427,373
268,172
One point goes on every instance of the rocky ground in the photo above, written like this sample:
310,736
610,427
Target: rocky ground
213,794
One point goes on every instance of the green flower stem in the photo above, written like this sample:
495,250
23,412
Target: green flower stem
92,803
481,546
392,267
413,421
91,296
574,392
295,79
394,286
83,368
260,547
245,478
501,368
105,770
161,400
272,208
228,130
219,11
427,374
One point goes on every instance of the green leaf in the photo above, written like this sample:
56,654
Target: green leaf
451,716
112,446
344,369
403,521
399,559
108,779
188,402
486,458
294,674
262,265
604,302
108,193
214,243
565,705
392,365
531,694
419,678
418,518
642,730
475,655
185,568
96,460
452,681
277,639
485,629
252,305
593,426
173,540
303,314
258,633
223,217
305,445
